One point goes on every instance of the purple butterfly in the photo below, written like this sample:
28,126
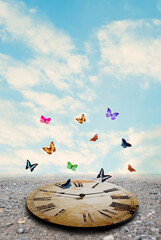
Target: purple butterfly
109,114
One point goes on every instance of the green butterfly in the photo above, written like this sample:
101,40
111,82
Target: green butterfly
70,166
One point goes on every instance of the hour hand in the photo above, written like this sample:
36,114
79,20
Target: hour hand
42,190
67,193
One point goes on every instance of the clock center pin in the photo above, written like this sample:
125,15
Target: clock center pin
82,195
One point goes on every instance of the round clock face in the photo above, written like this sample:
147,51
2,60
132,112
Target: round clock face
85,204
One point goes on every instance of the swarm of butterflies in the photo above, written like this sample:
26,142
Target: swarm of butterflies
71,166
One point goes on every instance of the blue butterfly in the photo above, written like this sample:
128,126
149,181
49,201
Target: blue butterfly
104,177
125,144
31,166
67,184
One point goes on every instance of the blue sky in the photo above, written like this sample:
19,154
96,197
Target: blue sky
64,58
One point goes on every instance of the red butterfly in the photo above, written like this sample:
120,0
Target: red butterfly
131,169
94,138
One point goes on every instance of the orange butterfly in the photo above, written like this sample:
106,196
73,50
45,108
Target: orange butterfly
50,149
82,119
94,138
131,169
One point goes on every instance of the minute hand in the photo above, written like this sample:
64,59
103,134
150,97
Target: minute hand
105,191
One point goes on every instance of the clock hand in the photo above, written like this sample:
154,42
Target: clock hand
66,193
105,191
84,194
42,190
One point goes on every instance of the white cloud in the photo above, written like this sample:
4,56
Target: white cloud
128,49
52,103
159,5
19,128
54,61
93,79
87,95
32,10
142,137
21,77
23,135
36,34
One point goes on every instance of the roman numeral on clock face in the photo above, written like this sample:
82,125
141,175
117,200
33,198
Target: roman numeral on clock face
95,185
111,190
121,206
105,214
78,184
87,217
58,185
124,207
47,207
43,190
60,212
42,199
120,197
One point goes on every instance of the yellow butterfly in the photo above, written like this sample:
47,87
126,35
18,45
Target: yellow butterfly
50,149
82,119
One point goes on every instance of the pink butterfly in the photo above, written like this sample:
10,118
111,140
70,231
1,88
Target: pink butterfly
45,120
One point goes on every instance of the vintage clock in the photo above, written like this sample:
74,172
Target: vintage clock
85,204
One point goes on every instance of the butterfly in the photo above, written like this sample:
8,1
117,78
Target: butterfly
31,166
104,177
50,149
131,169
125,144
109,114
70,166
94,138
67,184
82,119
45,120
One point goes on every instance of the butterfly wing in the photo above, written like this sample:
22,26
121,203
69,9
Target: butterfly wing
33,166
83,118
28,164
108,114
74,167
94,138
105,177
79,120
69,165
67,184
101,173
125,144
48,150
129,145
131,169
47,120
114,115
52,147
42,119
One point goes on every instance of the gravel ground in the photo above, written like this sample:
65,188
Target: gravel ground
146,225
